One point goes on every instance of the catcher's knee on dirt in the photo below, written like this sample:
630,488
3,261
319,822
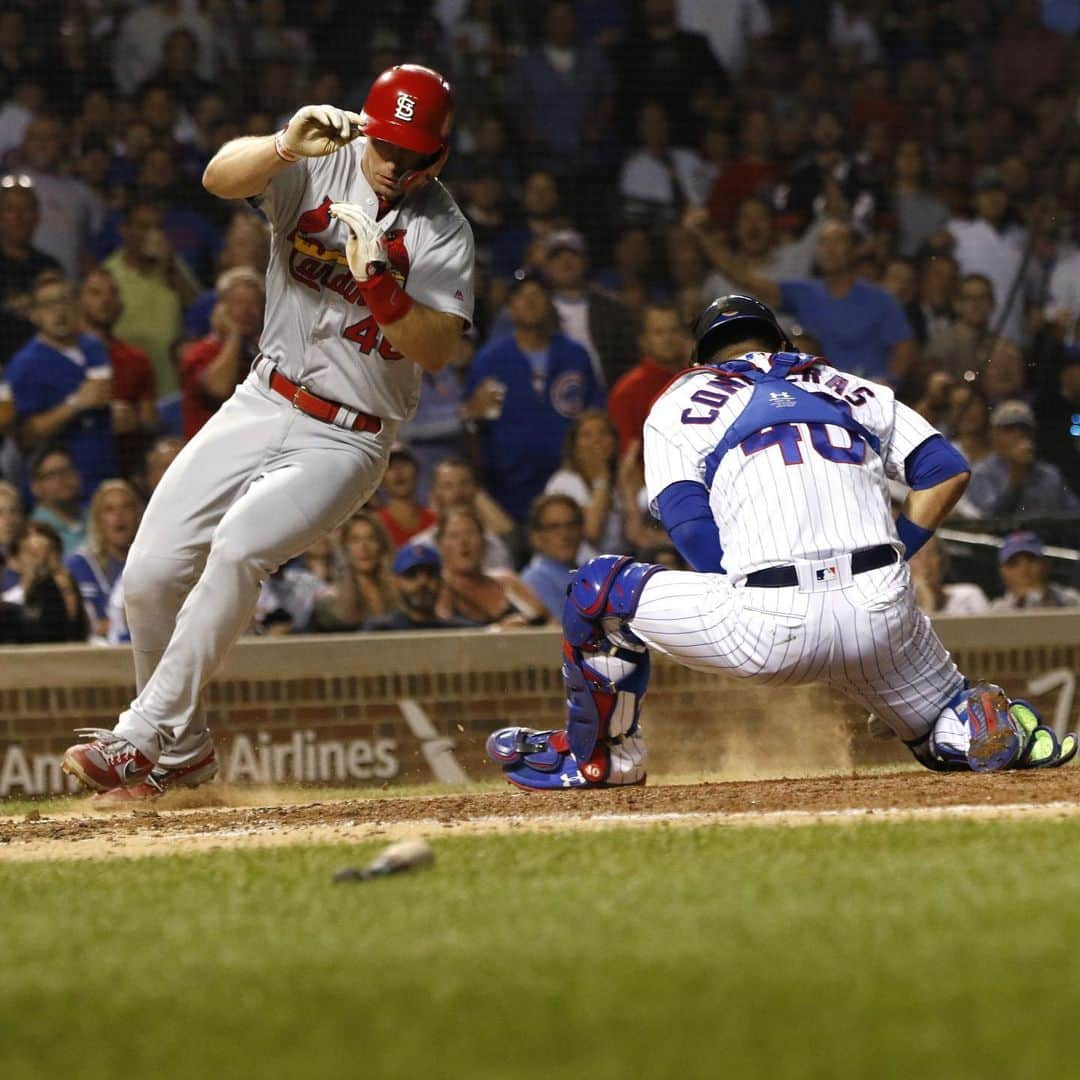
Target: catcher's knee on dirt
605,667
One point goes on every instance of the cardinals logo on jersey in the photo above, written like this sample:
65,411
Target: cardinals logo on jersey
317,266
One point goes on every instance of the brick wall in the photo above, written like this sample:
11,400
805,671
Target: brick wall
394,708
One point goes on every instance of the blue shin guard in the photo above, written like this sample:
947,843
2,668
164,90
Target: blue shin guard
606,671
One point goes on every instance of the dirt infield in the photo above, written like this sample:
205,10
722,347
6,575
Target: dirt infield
87,832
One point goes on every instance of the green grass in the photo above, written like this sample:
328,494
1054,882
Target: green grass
943,949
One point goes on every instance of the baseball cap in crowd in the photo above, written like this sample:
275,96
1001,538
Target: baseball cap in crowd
403,450
1013,413
1017,542
525,274
989,178
413,555
565,240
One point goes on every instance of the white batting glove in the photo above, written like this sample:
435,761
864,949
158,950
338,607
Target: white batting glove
366,249
318,130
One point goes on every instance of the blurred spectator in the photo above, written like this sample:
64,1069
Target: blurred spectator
588,315
631,265
1027,57
968,423
827,182
861,328
1063,300
134,409
665,348
755,241
987,244
401,514
500,598
361,589
675,67
658,181
140,44
1012,480
563,94
61,382
57,489
155,286
524,392
112,518
587,476
1025,573
69,212
936,405
1058,408
929,569
753,168
11,522
158,458
247,244
195,241
939,275
417,571
1002,376
900,280
178,71
964,346
918,213
454,485
514,246
730,28
275,39
556,532
287,599
44,605
212,368
436,430
20,263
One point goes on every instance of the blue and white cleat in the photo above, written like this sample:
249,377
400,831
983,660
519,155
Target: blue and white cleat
542,761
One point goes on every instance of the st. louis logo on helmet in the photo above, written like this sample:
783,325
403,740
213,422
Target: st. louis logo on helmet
406,106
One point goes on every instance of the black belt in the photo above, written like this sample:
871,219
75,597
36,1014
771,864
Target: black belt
780,577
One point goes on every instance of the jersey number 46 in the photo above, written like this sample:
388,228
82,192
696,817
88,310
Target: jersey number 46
788,438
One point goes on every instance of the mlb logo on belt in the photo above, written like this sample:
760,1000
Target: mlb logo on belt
406,106
781,399
826,573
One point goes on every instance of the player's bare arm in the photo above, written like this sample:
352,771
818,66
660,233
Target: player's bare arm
243,167
931,506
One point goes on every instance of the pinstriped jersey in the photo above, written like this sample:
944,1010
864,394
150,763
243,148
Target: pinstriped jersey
318,329
792,490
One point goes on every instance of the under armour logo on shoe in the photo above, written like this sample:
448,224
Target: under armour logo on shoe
572,779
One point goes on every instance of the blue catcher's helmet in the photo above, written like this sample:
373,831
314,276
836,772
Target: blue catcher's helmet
729,318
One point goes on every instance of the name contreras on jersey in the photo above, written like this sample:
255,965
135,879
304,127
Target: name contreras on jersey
717,391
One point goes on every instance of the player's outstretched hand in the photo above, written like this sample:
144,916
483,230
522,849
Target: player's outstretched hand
318,130
366,249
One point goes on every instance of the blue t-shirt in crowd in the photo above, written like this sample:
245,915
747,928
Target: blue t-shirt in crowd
95,581
548,579
41,377
857,331
523,447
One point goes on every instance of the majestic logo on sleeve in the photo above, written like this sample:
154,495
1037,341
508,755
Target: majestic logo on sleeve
320,267
406,107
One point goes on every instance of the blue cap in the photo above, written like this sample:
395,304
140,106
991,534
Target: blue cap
415,555
1017,542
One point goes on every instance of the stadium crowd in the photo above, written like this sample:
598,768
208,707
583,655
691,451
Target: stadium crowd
901,183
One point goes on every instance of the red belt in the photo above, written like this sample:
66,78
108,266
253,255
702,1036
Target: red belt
329,412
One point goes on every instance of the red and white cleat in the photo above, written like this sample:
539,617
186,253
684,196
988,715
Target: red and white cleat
106,760
162,780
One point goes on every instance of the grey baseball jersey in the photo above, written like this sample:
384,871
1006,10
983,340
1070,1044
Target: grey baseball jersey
262,481
318,330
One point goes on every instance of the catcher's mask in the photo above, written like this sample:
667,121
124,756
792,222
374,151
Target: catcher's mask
731,318
412,107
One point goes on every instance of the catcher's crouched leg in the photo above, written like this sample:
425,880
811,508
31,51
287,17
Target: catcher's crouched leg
606,671
983,730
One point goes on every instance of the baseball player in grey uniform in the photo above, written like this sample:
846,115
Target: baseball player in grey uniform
768,468
370,281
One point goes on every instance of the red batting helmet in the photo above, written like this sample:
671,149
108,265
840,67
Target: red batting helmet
412,107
